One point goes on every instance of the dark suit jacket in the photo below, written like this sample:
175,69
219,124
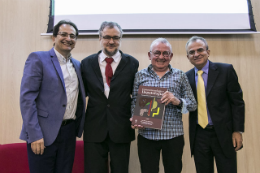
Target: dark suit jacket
225,104
109,115
43,98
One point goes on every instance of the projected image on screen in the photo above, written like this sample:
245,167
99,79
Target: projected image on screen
163,15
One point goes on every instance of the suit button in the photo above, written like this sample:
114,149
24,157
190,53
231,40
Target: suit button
64,105
108,105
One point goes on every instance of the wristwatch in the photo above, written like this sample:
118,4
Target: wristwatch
180,104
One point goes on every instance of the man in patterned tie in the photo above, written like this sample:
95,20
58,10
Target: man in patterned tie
108,77
216,126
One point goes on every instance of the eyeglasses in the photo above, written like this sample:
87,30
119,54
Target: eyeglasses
108,38
64,34
158,53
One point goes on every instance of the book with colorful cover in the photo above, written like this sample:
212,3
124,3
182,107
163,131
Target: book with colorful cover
149,110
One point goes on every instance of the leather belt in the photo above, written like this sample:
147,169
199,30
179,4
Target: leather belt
65,122
210,127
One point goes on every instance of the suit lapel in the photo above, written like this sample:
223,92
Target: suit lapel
121,65
191,77
212,76
81,86
77,69
96,68
56,64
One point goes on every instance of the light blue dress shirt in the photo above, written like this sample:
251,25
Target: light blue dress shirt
205,75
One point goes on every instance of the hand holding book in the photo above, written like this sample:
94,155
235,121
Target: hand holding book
136,126
168,97
149,109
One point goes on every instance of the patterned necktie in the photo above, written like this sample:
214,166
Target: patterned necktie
202,109
109,71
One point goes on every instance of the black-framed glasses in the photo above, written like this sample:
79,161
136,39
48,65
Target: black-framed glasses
108,38
158,53
65,34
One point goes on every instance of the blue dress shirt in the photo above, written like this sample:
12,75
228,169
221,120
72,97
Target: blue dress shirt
205,75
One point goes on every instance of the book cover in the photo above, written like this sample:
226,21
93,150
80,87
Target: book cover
149,110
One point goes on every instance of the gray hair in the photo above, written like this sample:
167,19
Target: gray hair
110,25
195,38
160,40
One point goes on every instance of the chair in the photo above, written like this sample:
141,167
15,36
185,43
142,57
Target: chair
13,158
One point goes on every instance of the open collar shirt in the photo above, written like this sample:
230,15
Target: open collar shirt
177,83
71,84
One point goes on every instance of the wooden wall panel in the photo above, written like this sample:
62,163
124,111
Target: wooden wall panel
22,21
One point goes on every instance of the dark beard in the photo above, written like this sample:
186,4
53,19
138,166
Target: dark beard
110,53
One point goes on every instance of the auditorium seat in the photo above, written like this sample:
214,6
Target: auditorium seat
13,158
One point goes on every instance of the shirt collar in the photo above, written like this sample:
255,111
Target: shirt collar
60,57
205,69
116,57
150,68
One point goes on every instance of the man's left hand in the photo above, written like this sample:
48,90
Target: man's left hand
168,97
237,140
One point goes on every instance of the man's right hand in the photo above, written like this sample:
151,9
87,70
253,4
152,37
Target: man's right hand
38,146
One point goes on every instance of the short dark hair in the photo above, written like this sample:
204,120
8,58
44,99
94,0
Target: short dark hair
110,25
57,27
195,38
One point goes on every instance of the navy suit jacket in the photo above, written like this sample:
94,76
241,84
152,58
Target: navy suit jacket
43,98
225,104
109,115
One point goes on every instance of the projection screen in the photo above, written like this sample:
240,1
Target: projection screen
153,16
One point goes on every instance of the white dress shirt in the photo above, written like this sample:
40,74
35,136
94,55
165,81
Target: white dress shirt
71,84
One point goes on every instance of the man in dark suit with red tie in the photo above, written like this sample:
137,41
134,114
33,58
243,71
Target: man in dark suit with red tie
108,78
216,126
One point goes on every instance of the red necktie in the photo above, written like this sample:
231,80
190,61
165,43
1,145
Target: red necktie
109,71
